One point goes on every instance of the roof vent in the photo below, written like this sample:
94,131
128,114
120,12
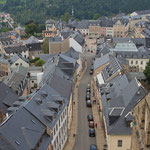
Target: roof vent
138,92
18,143
44,94
38,101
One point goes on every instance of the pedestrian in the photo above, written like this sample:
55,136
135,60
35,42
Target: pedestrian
95,125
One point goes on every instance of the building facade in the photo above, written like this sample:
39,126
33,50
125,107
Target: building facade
141,125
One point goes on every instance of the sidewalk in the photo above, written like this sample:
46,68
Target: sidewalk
100,135
71,139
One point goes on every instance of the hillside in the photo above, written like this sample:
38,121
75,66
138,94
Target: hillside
40,10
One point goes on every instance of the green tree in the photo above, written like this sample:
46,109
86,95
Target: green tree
66,17
45,46
96,16
39,62
31,29
5,29
147,72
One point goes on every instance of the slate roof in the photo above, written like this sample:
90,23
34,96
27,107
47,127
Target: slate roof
113,67
72,53
55,39
4,144
72,23
136,41
32,40
16,79
78,38
34,47
101,61
50,21
123,21
58,84
146,32
48,105
7,97
6,41
24,134
45,57
102,49
133,55
83,24
95,23
15,57
15,49
3,60
106,23
123,96
66,32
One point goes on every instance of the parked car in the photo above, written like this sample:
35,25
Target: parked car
91,124
91,71
93,147
87,97
88,89
87,93
92,132
88,103
90,117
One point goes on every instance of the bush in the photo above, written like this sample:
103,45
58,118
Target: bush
34,60
39,63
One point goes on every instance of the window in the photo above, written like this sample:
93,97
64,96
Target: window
131,62
16,64
141,62
136,62
119,143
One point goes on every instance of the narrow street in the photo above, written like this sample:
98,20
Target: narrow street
83,141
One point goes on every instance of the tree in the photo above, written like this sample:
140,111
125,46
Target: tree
66,17
147,72
31,29
39,62
96,16
45,46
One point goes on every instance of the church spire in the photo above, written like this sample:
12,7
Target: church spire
72,12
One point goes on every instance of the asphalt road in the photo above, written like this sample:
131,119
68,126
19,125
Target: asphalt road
83,141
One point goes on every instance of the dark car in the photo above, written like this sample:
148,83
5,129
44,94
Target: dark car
93,147
92,132
91,71
90,117
91,124
88,90
88,103
87,97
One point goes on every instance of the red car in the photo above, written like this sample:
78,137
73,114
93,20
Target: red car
91,124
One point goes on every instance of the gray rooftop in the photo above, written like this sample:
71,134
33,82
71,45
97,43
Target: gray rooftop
101,61
15,49
72,53
7,97
123,96
24,134
48,105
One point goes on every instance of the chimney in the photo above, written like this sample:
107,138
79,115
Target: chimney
53,59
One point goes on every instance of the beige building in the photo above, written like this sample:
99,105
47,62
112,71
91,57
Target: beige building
141,125
94,28
56,45
120,28
4,67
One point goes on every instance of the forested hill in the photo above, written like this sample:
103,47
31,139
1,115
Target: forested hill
40,10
